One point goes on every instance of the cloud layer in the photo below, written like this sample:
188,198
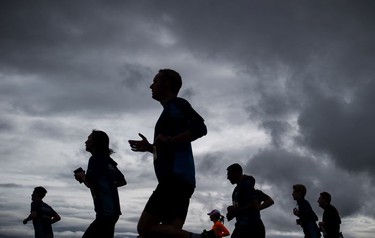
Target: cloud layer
285,88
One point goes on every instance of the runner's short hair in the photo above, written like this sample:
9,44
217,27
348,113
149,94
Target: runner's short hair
173,78
235,168
40,191
326,196
300,188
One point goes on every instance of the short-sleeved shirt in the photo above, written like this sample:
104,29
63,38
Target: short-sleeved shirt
306,213
100,173
307,218
261,196
176,160
244,194
220,229
332,221
42,222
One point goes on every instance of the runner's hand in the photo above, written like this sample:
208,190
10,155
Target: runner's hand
140,145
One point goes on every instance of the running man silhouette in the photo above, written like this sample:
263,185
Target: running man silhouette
42,215
306,216
178,125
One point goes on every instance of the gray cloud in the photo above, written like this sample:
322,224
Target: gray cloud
285,88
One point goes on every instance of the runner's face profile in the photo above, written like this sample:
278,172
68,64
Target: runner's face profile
158,88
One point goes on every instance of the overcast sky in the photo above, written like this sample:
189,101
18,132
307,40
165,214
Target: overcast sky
286,89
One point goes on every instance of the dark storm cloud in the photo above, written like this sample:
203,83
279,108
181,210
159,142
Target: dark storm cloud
318,174
68,56
324,57
324,52
301,70
207,164
6,125
261,35
136,76
9,185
